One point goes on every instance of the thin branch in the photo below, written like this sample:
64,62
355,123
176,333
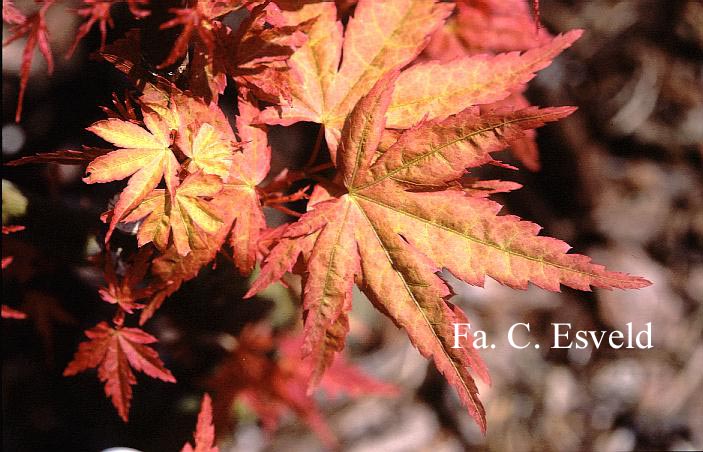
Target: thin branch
316,149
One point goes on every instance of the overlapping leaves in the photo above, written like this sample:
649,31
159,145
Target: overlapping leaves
390,222
401,132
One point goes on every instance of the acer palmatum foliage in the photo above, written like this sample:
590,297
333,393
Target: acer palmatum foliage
409,95
204,430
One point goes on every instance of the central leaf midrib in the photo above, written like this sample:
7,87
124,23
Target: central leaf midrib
433,151
366,70
485,242
429,324
330,261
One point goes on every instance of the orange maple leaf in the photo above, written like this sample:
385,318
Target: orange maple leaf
114,352
184,216
143,154
383,36
390,222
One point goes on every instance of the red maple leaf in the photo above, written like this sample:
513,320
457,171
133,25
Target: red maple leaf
34,28
11,14
271,387
126,290
10,313
115,352
204,431
96,11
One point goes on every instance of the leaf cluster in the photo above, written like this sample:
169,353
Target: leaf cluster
411,96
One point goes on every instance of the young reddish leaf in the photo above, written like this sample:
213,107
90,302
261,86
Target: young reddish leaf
34,28
125,291
342,377
256,55
492,26
194,19
6,261
198,20
11,14
10,229
204,431
185,217
115,352
8,312
381,36
272,387
391,228
45,311
97,11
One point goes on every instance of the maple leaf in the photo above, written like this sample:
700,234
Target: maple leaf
493,26
11,14
439,89
271,387
34,28
10,313
126,55
390,222
144,154
204,431
196,20
432,90
205,139
342,377
487,26
256,55
209,152
10,229
184,216
97,11
115,352
249,169
188,115
45,311
171,269
238,204
125,291
381,36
